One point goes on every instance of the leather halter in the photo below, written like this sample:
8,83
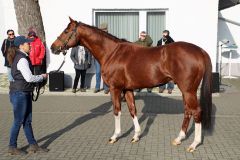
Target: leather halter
65,42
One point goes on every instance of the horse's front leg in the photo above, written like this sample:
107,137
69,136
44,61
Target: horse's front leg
116,97
132,109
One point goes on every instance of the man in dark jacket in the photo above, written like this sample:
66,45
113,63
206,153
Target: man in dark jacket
166,39
7,43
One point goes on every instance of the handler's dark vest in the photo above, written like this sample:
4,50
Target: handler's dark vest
19,83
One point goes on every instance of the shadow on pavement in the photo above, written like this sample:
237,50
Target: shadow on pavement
99,111
230,85
153,105
164,105
161,105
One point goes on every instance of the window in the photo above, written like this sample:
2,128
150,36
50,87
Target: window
128,23
120,24
155,25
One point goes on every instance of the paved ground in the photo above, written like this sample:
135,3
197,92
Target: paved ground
78,126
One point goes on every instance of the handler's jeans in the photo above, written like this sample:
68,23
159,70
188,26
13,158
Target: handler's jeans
98,77
22,110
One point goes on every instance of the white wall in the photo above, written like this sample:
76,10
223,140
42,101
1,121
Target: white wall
191,21
187,20
230,32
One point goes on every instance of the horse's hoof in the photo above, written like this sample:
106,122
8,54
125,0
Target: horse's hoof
190,149
134,140
176,143
111,141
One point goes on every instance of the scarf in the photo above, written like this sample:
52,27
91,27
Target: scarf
81,54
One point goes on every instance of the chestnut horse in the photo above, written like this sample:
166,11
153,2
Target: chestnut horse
126,66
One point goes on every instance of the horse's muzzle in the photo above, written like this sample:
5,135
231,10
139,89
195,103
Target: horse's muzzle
58,51
55,50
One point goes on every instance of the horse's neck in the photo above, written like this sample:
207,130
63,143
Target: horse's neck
98,43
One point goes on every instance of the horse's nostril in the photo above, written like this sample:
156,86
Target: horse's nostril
51,47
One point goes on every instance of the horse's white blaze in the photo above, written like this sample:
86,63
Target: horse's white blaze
137,128
117,126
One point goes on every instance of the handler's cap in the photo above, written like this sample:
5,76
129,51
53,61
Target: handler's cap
21,40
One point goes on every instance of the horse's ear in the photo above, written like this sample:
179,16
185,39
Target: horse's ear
71,20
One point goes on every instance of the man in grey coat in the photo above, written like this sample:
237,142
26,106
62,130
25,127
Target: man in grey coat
81,58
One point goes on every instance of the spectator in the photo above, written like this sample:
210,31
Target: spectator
82,61
7,43
21,96
103,27
37,53
166,39
144,40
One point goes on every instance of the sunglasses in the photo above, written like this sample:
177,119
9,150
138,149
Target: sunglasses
11,34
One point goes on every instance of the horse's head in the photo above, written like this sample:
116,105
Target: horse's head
67,39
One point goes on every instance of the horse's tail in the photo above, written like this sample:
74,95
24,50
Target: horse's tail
206,93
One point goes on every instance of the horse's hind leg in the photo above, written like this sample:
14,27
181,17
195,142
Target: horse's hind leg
116,96
192,108
185,124
132,109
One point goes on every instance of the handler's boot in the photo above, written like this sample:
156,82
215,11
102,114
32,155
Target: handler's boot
15,151
34,148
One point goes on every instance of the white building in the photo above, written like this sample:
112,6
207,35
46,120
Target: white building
187,20
229,31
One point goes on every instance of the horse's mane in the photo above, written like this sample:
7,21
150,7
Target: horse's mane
104,33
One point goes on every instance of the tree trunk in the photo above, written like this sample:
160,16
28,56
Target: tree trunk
29,17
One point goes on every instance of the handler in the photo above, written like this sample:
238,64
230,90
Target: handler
21,96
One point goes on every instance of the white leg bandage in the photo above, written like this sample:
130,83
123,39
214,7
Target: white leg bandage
198,136
117,126
180,137
137,128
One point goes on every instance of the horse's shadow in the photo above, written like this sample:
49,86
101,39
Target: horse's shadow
155,104
149,112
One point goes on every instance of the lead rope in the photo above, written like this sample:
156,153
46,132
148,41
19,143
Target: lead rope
38,87
35,96
64,53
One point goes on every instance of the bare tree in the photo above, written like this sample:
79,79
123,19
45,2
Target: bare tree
29,17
